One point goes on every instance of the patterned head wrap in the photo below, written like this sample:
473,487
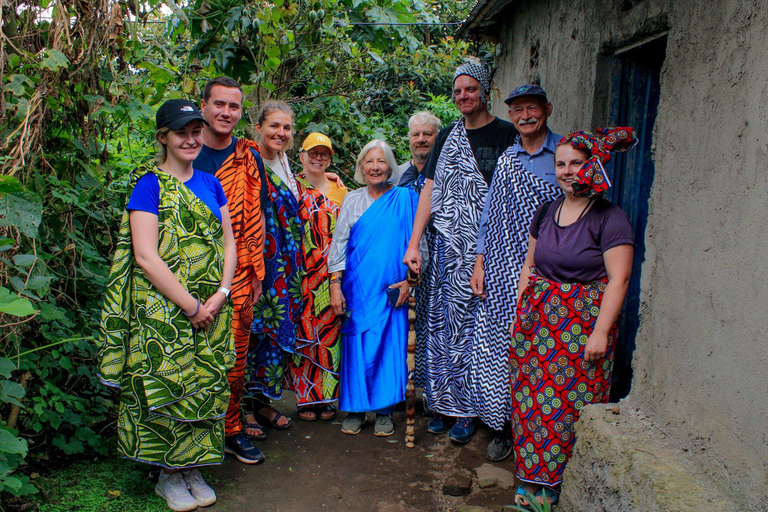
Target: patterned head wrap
480,72
592,177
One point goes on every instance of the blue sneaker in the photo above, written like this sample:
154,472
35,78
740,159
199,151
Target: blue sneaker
438,425
462,431
240,446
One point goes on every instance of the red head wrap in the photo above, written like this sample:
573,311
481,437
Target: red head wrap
592,177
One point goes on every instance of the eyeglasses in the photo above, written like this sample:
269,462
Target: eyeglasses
317,154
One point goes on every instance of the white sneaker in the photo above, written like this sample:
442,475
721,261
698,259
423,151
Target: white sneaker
200,491
173,489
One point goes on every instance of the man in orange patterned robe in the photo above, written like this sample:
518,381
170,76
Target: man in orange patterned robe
238,166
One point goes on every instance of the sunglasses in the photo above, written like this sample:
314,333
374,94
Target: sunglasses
318,155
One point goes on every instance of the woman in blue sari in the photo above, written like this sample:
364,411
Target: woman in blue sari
372,230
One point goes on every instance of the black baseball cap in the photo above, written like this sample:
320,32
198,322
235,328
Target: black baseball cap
175,114
526,90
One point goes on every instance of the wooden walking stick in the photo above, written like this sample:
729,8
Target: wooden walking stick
410,389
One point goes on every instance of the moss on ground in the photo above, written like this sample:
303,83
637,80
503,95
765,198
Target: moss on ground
104,485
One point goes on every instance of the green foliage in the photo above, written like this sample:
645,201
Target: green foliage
351,82
107,485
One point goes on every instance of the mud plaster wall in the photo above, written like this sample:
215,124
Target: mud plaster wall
701,364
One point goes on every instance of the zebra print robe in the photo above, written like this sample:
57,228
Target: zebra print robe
458,196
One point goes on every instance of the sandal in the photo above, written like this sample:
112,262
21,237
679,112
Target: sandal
551,493
327,413
306,413
274,421
525,494
255,426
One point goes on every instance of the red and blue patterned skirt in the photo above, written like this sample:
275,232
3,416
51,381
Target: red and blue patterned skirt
551,381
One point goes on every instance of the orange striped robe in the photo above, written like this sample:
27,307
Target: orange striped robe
240,179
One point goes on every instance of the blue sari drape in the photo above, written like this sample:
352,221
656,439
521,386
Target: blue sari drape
373,363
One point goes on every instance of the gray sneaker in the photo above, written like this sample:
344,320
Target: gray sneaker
501,446
173,489
353,423
201,491
384,425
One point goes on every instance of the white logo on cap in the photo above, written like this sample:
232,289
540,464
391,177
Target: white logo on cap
187,108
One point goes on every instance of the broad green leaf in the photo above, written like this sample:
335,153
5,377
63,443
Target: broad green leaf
11,304
11,392
24,260
11,483
376,56
6,367
10,185
55,60
38,282
12,444
17,85
22,210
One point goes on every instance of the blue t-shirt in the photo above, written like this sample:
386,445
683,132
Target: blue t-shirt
210,161
146,194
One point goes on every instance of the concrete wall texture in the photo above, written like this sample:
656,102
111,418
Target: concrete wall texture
701,364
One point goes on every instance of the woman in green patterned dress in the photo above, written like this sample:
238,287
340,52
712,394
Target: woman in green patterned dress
166,321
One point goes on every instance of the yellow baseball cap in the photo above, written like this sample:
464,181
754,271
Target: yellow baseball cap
316,139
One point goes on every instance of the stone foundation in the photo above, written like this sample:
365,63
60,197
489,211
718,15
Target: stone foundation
621,462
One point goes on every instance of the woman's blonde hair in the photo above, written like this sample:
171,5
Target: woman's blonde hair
161,153
271,107
388,156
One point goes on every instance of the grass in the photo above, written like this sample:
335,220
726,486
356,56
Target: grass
108,485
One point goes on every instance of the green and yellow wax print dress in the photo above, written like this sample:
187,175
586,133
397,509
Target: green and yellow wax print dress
173,378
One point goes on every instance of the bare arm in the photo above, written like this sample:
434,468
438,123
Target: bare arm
217,300
334,178
477,283
338,302
145,236
525,272
618,266
412,257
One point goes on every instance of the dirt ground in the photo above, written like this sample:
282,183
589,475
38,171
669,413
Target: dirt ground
313,466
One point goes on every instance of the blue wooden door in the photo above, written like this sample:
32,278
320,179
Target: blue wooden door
635,103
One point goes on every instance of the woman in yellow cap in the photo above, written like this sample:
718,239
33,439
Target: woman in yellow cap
315,364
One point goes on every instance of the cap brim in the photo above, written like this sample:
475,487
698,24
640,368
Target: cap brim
319,146
181,122
511,98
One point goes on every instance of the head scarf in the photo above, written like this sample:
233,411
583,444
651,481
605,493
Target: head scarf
592,178
480,72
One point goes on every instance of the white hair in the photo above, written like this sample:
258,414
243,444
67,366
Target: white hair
388,156
424,118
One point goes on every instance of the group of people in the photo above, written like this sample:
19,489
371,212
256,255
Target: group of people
234,279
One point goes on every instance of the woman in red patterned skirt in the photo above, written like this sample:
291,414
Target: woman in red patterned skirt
315,364
572,287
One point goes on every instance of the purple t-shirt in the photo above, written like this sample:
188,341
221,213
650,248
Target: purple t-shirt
574,253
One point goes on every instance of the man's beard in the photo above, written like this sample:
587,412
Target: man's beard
419,159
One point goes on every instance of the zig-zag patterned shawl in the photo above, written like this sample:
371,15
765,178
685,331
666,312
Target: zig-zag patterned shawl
514,196
173,378
458,196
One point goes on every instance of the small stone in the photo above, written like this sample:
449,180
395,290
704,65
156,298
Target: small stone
489,475
457,485
471,508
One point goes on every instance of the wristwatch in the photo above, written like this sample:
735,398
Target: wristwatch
223,290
